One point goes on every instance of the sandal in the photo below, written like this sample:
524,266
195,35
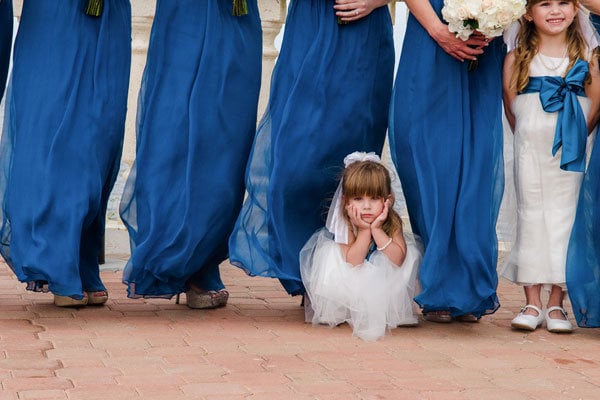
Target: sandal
206,299
437,316
97,298
466,318
68,301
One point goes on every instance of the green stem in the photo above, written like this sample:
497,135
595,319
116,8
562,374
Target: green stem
240,7
94,8
341,22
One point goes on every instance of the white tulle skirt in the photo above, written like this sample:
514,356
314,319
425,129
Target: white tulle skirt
371,297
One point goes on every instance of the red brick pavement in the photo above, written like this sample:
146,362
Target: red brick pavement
258,347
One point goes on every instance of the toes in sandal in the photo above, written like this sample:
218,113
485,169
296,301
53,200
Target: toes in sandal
437,316
466,318
206,299
97,298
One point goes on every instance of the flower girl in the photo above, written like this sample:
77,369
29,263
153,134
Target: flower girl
547,78
359,269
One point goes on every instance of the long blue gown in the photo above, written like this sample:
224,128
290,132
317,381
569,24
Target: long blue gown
6,31
446,143
65,124
583,255
330,95
196,121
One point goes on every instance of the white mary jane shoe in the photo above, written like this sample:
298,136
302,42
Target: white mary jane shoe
557,325
526,321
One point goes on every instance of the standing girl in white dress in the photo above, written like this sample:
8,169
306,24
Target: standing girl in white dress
360,269
547,78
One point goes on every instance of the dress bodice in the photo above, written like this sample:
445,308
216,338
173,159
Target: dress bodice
543,65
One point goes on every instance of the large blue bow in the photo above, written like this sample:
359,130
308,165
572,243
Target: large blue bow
558,94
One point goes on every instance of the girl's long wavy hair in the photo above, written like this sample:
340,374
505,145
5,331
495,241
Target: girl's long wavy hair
370,178
528,46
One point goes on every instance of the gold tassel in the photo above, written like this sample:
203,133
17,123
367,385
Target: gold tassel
94,8
240,7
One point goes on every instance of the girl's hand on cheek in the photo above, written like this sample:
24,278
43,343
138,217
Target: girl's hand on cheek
356,219
383,216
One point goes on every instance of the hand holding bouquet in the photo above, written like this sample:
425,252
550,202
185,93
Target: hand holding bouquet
488,17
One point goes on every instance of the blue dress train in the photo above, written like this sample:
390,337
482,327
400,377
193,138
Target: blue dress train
330,95
583,255
62,142
446,143
6,32
196,121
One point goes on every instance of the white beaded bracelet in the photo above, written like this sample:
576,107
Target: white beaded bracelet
385,246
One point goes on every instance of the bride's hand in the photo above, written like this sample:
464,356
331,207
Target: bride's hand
352,10
460,49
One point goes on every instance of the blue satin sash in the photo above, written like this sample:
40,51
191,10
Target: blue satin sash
559,94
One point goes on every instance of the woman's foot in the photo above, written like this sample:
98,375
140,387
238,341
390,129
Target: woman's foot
97,298
557,321
203,299
438,316
67,301
528,319
466,318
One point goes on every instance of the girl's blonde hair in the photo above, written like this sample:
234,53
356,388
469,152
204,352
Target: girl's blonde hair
528,43
370,178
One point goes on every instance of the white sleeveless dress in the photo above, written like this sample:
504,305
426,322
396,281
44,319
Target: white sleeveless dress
546,195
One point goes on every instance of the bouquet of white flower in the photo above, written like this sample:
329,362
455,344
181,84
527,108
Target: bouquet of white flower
490,17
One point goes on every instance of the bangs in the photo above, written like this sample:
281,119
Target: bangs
370,179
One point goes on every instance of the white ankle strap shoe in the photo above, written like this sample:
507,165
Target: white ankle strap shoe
558,325
526,321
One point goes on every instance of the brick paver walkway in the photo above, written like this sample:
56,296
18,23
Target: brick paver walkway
258,347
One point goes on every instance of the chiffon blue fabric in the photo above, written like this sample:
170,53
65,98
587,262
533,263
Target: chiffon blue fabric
446,142
583,254
196,121
6,31
62,142
330,95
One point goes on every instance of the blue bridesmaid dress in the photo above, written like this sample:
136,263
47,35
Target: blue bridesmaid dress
196,121
62,144
583,255
330,95
446,143
6,31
